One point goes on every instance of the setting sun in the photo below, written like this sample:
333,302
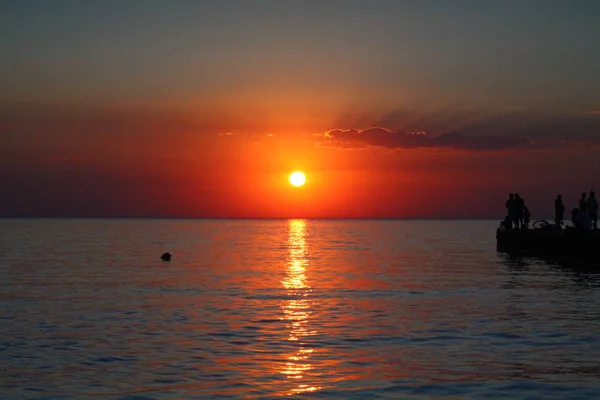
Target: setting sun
297,178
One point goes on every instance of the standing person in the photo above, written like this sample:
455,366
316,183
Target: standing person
592,206
519,209
559,210
583,203
526,217
581,220
510,209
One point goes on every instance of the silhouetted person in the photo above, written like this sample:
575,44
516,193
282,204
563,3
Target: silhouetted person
166,257
526,217
519,209
592,206
559,210
510,209
583,203
506,223
574,213
581,220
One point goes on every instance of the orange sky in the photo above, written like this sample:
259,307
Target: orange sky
201,109
151,164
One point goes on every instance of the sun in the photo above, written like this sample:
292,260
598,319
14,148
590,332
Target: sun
297,178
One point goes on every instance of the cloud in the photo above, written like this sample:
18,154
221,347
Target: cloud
540,126
381,137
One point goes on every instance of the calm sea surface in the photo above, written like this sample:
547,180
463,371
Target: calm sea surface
258,309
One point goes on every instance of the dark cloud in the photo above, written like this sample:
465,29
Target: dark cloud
381,137
480,129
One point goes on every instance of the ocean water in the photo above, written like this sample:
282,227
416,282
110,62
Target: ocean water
269,309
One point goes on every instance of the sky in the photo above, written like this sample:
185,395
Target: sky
393,109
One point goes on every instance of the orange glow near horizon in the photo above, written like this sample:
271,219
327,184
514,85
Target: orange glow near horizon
169,179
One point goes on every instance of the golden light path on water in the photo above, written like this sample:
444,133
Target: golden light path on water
297,309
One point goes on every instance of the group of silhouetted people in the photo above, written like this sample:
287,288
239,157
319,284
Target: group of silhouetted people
518,214
584,217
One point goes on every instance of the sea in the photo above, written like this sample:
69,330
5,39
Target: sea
332,309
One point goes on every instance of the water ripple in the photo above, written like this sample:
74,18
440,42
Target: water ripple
264,309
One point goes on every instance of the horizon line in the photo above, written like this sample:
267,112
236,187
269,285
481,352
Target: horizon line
273,218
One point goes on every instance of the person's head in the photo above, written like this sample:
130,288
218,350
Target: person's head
582,195
517,195
559,196
510,195
592,194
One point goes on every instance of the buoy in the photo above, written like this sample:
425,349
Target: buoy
166,257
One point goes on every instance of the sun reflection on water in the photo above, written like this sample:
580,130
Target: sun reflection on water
297,309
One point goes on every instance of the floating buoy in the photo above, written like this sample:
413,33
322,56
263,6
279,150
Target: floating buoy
166,257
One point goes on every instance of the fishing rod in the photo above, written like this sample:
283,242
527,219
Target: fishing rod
595,176
485,195
501,201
